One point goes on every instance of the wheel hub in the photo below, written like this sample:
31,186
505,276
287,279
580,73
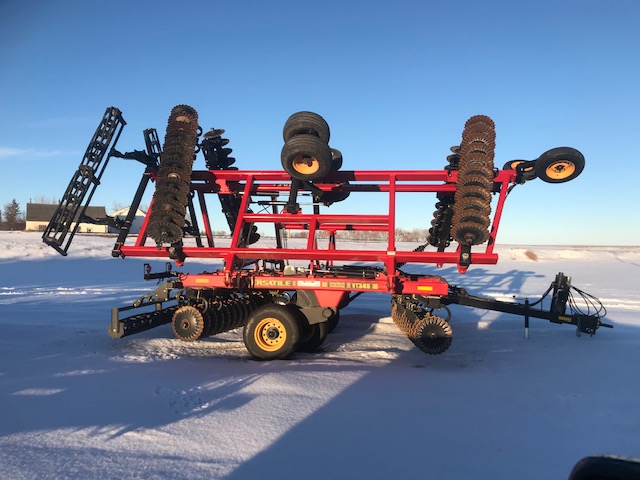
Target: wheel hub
270,335
305,165
561,169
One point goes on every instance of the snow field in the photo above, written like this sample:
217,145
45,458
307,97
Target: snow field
76,404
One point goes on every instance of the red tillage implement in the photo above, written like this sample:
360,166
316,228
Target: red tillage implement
287,298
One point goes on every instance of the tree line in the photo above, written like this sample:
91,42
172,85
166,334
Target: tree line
12,218
401,235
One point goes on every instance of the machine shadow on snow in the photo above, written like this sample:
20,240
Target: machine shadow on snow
86,364
480,279
76,375
424,403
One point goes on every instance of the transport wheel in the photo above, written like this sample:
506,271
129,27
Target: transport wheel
529,172
316,335
512,164
306,123
336,159
188,324
333,321
559,165
272,332
336,194
306,157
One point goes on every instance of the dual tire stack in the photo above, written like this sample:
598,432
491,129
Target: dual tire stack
306,154
558,165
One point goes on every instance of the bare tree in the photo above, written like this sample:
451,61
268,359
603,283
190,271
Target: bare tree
116,206
45,200
401,235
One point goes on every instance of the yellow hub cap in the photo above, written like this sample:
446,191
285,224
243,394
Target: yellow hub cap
305,165
560,169
270,334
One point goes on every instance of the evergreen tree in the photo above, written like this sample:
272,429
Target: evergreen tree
13,219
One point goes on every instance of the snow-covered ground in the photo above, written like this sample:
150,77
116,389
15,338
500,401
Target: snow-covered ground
76,404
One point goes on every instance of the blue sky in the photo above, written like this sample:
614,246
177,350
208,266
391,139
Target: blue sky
395,80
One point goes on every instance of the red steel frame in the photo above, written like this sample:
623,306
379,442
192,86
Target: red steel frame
278,184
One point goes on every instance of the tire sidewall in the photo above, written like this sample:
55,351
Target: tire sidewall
308,145
555,155
306,123
286,316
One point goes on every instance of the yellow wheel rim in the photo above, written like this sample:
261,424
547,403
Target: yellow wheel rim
560,169
305,165
513,165
270,334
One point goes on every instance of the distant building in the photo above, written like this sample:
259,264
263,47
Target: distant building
135,225
39,215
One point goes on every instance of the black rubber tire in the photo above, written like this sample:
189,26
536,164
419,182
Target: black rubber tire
529,172
333,321
188,324
272,332
334,196
308,123
512,164
336,159
315,336
306,157
559,165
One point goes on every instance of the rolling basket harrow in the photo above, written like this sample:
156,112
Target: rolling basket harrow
286,298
